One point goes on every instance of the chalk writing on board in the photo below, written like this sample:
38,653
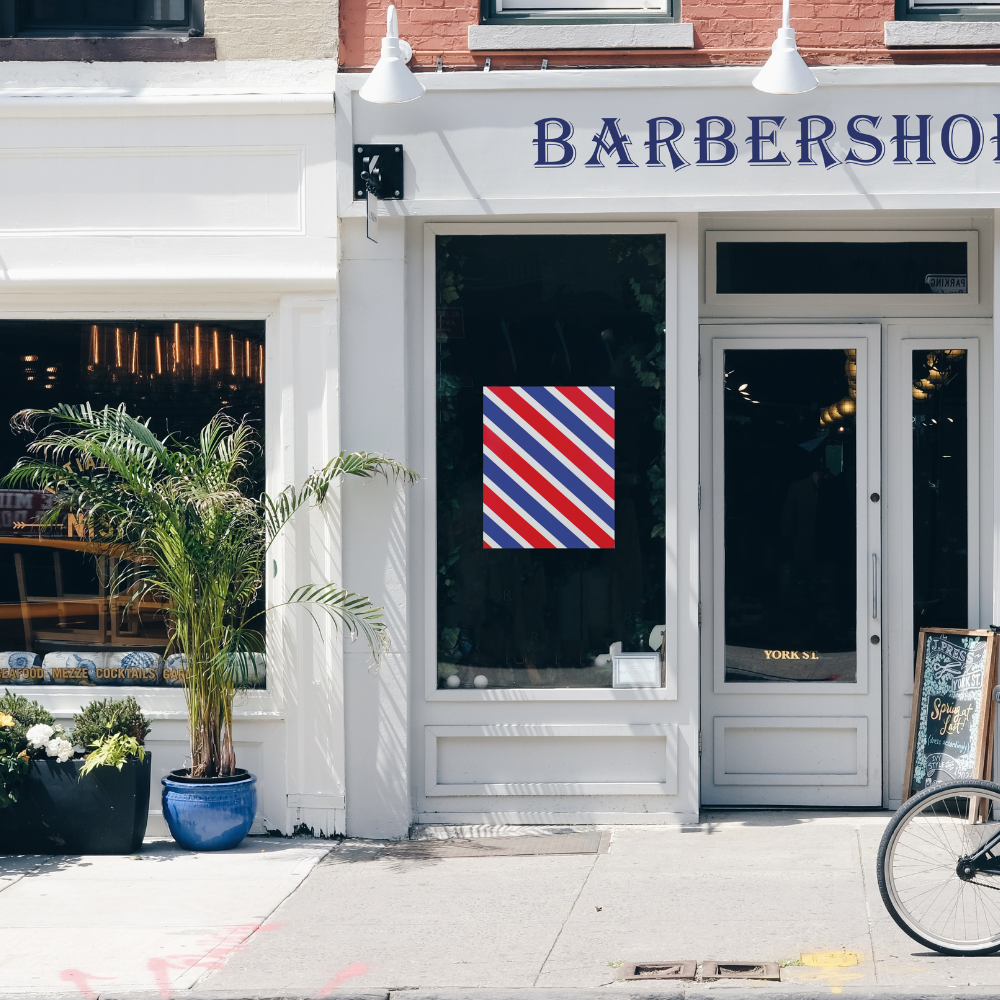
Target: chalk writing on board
950,709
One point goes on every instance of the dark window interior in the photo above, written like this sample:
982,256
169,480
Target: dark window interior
790,515
805,268
548,311
940,490
101,15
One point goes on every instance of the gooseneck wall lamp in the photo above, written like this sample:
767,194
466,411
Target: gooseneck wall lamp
785,72
391,81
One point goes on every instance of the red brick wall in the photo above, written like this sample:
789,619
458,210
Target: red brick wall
828,32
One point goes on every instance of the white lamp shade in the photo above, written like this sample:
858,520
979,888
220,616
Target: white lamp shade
785,72
391,81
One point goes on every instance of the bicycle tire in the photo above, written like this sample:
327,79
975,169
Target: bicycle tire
926,838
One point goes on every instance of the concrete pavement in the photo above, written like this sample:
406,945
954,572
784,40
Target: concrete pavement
305,918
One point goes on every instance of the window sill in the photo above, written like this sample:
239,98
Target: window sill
162,48
941,34
553,694
497,37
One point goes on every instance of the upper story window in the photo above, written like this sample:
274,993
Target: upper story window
563,11
100,17
954,10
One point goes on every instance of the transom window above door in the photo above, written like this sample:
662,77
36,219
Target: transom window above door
939,270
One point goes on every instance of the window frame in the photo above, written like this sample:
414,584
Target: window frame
906,11
425,580
840,304
193,26
670,14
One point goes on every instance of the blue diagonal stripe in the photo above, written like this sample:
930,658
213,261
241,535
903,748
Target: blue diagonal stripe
605,393
505,541
531,506
555,406
559,471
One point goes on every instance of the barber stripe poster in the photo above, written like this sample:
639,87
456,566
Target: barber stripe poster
549,467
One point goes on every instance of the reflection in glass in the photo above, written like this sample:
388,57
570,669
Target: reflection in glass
790,515
940,490
542,323
61,594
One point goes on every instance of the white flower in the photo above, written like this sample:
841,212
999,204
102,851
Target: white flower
61,749
39,735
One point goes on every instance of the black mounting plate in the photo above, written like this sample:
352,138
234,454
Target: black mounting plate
388,167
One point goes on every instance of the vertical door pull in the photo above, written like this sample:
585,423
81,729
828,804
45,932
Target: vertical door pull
874,585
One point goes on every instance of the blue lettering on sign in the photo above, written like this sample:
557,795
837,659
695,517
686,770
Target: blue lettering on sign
902,139
962,139
613,141
706,141
561,142
758,138
808,140
667,141
947,138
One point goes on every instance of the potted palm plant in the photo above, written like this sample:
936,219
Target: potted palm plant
191,535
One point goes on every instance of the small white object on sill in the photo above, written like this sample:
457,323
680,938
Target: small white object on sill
636,670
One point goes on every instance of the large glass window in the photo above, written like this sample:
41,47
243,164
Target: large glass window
60,618
790,515
940,489
550,460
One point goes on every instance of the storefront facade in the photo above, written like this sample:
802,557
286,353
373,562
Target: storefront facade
169,241
758,331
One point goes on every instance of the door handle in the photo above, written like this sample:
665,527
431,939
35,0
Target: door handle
874,585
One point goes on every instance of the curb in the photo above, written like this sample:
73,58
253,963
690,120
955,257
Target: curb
651,991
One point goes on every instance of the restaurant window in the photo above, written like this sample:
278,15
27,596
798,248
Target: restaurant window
550,461
62,617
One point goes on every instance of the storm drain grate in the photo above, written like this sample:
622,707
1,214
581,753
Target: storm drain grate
659,970
740,970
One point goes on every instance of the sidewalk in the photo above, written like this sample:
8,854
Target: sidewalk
311,919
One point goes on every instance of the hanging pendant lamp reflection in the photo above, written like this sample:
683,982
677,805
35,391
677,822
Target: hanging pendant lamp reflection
785,72
391,81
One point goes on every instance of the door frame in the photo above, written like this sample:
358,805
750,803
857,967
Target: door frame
725,703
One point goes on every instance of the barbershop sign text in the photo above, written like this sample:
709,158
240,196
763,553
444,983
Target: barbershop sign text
719,141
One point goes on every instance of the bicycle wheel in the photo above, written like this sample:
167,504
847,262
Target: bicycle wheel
939,870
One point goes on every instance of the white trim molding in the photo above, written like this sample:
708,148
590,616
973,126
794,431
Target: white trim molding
493,37
941,34
434,734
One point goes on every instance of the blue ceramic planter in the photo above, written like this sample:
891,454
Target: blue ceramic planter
209,814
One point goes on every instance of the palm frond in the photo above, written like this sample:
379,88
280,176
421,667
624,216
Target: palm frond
278,511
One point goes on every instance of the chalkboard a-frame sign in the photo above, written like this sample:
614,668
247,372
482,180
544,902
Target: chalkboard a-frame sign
952,717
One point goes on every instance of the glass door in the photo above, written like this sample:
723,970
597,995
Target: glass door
791,646
933,503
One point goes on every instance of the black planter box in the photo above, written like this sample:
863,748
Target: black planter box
57,812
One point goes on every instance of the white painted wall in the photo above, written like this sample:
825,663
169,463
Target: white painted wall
202,191
376,543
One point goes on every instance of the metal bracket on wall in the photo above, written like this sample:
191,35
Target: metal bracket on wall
381,166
